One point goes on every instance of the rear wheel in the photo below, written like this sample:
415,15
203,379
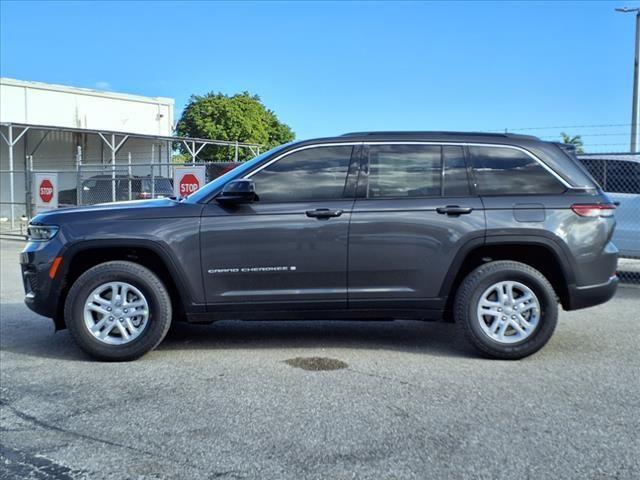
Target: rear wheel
118,311
506,309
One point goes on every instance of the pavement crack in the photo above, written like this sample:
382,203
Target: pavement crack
47,426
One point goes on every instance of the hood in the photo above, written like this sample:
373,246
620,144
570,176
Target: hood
131,210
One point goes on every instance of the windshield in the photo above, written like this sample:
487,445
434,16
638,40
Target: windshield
237,172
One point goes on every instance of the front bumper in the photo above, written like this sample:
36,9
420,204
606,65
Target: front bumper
588,296
42,293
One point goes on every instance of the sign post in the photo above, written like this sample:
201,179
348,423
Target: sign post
46,193
187,180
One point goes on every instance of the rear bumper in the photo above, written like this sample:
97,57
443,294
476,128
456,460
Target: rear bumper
590,295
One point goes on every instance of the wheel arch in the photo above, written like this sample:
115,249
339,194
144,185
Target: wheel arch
542,253
83,255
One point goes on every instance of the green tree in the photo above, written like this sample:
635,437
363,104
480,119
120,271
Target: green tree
241,117
575,140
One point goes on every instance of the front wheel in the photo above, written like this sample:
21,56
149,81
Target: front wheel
118,311
506,309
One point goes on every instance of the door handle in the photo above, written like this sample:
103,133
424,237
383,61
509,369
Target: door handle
454,210
323,213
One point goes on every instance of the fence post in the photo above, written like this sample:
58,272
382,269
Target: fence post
236,154
153,170
28,173
13,220
79,175
113,167
129,173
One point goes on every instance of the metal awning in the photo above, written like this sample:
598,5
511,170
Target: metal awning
113,140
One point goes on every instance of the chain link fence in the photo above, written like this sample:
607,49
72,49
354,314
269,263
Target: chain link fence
134,176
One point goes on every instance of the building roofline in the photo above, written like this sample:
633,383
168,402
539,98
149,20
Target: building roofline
85,91
131,135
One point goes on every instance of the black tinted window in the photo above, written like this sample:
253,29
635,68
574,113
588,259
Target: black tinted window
507,171
404,171
313,174
456,182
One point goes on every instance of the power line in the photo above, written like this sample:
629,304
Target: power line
604,144
604,125
592,135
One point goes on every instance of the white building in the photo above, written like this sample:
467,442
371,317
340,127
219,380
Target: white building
79,133
49,124
36,103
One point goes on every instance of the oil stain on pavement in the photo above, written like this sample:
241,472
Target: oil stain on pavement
316,363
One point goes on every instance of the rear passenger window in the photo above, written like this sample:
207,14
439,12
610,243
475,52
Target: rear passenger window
404,171
507,171
456,183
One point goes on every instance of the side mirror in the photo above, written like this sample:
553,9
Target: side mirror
238,191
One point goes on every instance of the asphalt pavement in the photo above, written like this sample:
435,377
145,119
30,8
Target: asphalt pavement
320,400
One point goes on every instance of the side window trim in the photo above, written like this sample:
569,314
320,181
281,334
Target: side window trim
471,176
471,186
476,144
362,187
295,150
442,168
353,172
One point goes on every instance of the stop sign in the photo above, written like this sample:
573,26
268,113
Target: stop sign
188,184
46,190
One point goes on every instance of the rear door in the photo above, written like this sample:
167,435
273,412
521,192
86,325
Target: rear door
289,248
413,213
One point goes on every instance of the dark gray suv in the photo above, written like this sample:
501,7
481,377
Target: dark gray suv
490,231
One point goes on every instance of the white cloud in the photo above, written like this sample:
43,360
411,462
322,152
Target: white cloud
102,85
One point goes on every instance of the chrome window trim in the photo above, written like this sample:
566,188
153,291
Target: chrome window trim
306,147
474,144
400,142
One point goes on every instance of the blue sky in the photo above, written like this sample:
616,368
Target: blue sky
328,68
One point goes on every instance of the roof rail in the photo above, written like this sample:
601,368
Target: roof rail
416,133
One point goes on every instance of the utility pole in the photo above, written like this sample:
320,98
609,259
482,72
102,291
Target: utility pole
634,107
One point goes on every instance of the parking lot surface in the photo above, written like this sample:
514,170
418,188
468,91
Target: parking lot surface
314,399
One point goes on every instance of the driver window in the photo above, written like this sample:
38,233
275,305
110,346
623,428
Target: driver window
317,173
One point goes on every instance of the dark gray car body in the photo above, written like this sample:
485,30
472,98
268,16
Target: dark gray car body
380,258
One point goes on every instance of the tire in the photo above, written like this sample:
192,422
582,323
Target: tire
149,301
488,282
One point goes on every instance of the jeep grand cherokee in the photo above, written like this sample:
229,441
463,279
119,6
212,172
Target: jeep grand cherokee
490,231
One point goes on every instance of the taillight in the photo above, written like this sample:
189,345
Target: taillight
144,195
593,209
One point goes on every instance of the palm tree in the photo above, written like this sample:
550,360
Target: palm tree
576,141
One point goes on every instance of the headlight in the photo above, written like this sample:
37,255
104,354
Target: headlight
41,233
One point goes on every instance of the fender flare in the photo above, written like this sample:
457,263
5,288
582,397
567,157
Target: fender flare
175,271
542,239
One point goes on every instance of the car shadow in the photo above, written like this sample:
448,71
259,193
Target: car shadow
434,338
25,333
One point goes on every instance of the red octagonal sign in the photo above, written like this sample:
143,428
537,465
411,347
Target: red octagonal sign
46,190
188,184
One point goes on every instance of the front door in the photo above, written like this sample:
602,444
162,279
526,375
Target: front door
290,246
413,213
